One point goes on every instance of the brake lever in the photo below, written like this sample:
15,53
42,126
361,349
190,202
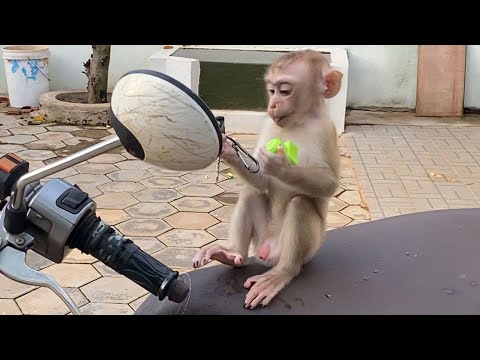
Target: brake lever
14,266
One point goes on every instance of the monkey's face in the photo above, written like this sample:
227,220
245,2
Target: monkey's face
287,89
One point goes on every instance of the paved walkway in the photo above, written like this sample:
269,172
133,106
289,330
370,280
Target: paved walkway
169,215
386,170
405,169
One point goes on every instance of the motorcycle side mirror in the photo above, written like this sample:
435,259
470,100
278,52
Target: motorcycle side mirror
161,121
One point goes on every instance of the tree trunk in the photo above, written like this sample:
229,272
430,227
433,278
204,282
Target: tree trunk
96,69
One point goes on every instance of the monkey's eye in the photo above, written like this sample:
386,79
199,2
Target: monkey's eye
271,91
285,92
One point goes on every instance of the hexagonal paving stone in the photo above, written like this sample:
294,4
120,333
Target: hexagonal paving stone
133,165
105,270
53,160
148,244
10,148
115,201
207,190
227,198
349,184
54,135
351,197
44,301
28,130
157,195
106,309
10,289
232,185
88,179
36,154
113,217
129,175
186,238
35,164
163,182
99,169
336,205
107,158
45,145
36,261
114,290
143,227
136,304
176,257
203,177
156,171
197,204
72,275
224,213
339,191
191,220
91,133
66,128
6,132
356,213
121,186
213,168
9,307
79,143
8,123
91,190
151,210
76,257
336,220
17,139
63,173
220,231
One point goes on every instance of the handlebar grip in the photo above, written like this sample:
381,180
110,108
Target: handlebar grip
93,236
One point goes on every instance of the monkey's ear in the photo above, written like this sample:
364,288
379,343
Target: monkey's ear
333,83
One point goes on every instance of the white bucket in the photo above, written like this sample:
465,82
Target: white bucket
26,67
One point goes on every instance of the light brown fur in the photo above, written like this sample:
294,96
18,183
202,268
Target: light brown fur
282,210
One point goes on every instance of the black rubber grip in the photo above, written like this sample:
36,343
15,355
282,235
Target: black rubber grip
126,258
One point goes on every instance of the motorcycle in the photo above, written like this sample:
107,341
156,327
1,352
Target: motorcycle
54,218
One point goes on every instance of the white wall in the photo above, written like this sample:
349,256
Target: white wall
472,80
66,64
380,75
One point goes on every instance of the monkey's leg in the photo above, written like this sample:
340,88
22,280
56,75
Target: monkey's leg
301,235
249,216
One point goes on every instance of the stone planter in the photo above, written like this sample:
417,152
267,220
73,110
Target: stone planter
69,107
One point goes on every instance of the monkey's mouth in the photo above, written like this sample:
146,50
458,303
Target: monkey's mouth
278,119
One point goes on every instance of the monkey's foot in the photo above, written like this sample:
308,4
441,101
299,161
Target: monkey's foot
219,253
263,288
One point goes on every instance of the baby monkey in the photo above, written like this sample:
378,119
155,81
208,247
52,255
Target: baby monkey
282,209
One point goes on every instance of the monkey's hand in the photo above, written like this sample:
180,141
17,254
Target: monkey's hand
264,287
227,149
273,164
216,252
